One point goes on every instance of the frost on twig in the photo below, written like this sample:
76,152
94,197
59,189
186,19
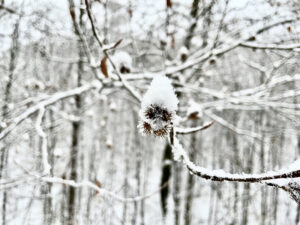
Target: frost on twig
158,108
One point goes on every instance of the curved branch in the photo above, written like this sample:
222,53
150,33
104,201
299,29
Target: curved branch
220,175
193,129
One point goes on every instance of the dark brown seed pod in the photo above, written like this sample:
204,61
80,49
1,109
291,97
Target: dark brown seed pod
154,112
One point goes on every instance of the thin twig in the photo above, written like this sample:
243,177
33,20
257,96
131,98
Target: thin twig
124,82
192,130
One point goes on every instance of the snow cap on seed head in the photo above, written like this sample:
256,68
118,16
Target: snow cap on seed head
158,108
160,93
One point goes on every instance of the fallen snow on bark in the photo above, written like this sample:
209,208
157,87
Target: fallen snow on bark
285,182
220,175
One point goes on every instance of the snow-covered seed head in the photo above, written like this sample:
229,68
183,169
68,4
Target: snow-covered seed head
155,112
158,108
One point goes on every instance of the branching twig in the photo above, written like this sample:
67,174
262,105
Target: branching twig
221,51
124,82
43,104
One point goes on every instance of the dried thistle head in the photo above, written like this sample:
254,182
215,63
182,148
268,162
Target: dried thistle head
157,120
146,129
156,112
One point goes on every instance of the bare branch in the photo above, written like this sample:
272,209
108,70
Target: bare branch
193,129
49,101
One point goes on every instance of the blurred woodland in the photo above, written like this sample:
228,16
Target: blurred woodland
72,76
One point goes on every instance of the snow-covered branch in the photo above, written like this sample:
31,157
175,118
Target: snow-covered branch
44,103
221,51
220,175
191,130
270,46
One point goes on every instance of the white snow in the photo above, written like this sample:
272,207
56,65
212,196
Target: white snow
113,106
160,93
295,165
194,108
109,141
122,58
183,50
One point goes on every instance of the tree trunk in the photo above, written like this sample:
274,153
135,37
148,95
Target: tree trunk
166,174
4,153
76,126
190,181
176,191
249,153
